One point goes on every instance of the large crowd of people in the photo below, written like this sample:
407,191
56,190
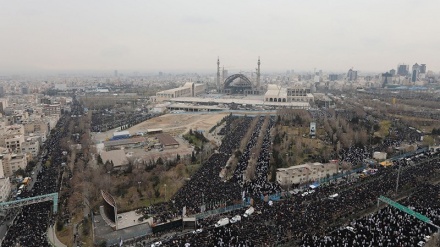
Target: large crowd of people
315,219
104,120
206,187
29,227
308,220
260,186
387,227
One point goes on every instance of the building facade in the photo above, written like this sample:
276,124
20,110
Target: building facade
52,109
189,89
12,162
277,93
305,173
5,189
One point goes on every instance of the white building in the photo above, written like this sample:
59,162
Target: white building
305,173
277,93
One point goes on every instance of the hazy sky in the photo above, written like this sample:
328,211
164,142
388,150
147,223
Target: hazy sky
161,35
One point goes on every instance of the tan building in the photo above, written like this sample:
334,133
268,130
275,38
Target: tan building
116,157
12,162
305,173
189,89
31,146
12,137
14,143
3,104
52,109
35,126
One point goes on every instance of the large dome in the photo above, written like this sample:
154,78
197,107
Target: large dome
238,80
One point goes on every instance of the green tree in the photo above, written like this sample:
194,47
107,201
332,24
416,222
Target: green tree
159,161
193,157
20,172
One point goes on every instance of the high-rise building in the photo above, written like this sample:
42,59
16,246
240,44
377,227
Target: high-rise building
402,69
415,72
422,68
333,77
393,72
2,91
422,71
116,73
352,75
24,90
386,78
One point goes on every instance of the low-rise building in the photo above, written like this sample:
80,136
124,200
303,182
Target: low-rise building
52,109
305,173
115,157
276,93
189,89
35,126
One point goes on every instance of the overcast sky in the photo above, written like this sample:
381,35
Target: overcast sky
161,35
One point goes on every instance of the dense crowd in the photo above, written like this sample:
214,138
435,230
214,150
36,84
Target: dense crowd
300,219
196,192
260,186
30,226
105,120
388,226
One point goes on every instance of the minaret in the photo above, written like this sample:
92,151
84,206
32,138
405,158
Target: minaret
258,74
218,73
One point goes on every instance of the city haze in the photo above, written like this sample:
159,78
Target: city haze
187,36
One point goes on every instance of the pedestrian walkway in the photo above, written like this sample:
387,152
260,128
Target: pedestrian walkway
52,237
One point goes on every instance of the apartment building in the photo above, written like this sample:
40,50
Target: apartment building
12,162
31,146
52,109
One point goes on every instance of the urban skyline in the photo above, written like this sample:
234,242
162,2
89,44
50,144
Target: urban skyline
369,36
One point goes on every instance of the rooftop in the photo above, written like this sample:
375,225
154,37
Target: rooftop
124,142
166,140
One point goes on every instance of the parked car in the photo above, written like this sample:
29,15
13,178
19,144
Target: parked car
248,212
222,222
235,219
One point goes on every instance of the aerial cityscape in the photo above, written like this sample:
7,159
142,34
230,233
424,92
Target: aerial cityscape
249,123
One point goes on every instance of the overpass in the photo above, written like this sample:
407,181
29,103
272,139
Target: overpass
32,200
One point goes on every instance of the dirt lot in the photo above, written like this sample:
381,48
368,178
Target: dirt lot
177,124
173,124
